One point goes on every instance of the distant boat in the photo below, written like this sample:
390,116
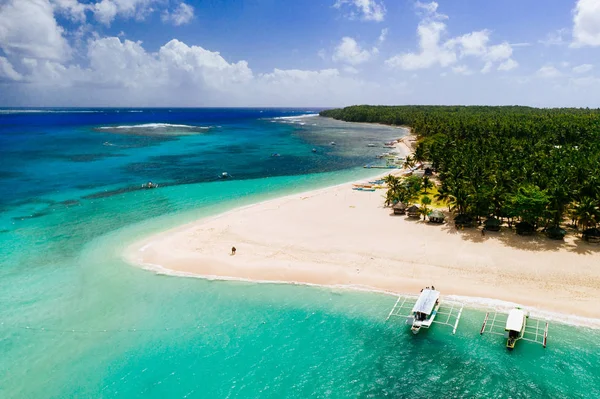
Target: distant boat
224,175
332,143
275,154
314,150
371,145
149,185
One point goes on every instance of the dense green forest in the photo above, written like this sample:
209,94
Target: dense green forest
534,167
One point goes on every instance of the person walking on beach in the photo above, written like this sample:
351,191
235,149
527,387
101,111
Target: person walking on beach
233,250
483,232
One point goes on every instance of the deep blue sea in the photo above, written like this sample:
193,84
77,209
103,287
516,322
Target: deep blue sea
78,322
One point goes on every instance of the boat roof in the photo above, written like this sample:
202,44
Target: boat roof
426,301
514,322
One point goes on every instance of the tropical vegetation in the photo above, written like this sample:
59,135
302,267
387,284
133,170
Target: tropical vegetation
525,166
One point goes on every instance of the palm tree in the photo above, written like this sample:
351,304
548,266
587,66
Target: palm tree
408,162
427,184
587,212
443,196
424,210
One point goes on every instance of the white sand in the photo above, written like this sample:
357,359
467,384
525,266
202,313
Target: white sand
338,236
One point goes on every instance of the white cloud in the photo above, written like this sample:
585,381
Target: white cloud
106,11
555,38
123,72
508,65
350,69
583,68
183,14
28,29
382,35
586,23
368,10
462,70
7,71
548,72
435,52
349,51
71,8
428,8
487,67
431,53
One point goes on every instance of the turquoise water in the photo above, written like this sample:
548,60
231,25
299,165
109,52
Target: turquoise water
77,322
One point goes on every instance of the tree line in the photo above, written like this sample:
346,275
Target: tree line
529,166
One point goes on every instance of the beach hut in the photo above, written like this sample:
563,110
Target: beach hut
492,224
525,228
463,220
399,208
591,235
556,233
436,216
414,211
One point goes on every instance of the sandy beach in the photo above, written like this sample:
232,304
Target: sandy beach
339,236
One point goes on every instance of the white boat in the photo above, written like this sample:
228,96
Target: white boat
425,309
225,175
515,327
332,143
371,145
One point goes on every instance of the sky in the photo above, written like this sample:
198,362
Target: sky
299,53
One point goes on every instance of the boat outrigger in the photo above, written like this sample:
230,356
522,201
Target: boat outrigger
515,327
425,309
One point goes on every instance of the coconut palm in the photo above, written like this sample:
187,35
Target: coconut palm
427,184
425,201
587,212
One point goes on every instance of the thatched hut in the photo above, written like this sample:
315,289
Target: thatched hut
525,228
592,235
556,233
414,211
436,216
399,208
492,224
464,220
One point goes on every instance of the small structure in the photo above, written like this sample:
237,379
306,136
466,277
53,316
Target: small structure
422,312
556,233
414,211
525,228
149,185
591,235
492,224
436,216
399,208
515,327
463,220
428,171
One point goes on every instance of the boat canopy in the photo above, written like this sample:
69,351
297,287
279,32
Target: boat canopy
514,322
426,301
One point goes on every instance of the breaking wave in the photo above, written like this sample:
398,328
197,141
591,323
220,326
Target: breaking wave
154,126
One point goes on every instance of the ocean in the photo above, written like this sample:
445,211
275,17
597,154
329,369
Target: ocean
76,321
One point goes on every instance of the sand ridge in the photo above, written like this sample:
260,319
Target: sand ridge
342,237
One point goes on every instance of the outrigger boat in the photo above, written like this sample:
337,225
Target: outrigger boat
515,327
424,311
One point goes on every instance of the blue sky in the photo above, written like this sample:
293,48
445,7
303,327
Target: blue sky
298,53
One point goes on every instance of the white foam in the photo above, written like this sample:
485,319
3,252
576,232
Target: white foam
483,304
154,126
295,116
45,111
505,306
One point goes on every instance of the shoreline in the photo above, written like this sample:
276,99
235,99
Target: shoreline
368,263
